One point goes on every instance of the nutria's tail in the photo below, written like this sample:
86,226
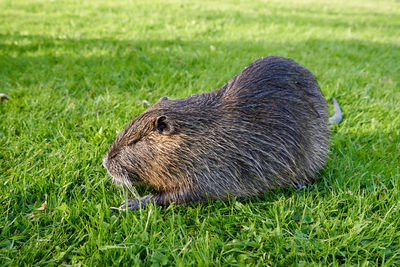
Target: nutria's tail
337,116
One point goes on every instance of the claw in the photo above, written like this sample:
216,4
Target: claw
135,204
131,204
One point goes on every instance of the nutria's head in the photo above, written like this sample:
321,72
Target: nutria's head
155,148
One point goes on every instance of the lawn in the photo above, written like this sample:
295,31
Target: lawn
76,72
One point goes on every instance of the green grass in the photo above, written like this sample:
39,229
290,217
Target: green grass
75,71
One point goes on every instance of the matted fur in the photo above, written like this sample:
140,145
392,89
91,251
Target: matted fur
266,128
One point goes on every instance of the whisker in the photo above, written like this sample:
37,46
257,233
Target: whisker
129,186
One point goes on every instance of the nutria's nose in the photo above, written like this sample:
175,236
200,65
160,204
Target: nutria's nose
105,161
109,156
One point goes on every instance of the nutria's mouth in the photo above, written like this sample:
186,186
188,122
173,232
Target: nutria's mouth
125,181
121,175
118,179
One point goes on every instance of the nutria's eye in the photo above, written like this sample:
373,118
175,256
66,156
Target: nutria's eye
131,143
163,125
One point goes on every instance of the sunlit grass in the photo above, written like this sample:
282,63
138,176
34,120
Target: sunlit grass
75,71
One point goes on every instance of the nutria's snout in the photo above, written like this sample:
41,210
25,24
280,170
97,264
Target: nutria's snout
106,165
107,158
111,164
110,159
105,161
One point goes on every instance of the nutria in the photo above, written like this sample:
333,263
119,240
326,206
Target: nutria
266,128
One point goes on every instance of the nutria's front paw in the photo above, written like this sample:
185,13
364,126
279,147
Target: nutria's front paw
132,204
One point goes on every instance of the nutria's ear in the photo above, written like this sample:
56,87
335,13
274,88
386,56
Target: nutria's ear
164,126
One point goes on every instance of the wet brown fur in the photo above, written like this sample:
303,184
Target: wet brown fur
266,128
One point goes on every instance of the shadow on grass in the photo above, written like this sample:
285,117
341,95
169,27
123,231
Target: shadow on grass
93,64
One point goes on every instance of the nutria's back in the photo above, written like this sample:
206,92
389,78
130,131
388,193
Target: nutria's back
267,127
